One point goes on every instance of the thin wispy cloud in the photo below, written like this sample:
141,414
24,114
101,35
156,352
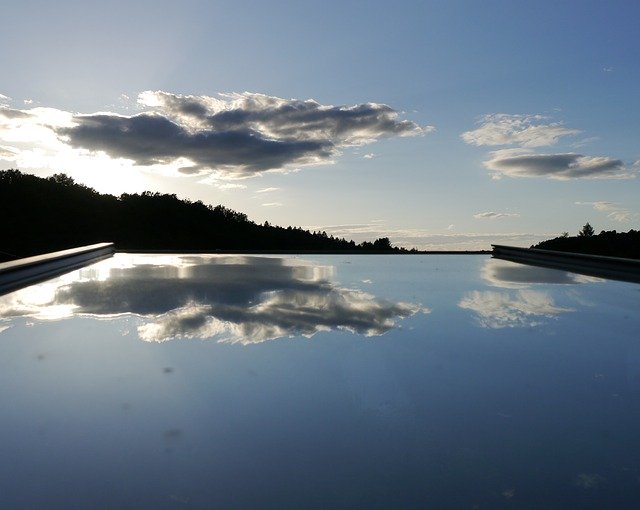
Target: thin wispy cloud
229,136
267,190
7,152
229,186
272,204
491,215
519,163
613,210
371,155
521,130
428,240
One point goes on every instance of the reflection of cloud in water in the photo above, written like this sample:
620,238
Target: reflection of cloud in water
508,309
240,299
506,274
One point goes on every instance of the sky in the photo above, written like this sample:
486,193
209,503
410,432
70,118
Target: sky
440,124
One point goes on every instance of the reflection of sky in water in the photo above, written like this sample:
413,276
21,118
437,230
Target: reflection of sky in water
249,299
521,388
523,306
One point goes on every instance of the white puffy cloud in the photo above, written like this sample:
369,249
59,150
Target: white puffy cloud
521,163
511,309
522,130
491,215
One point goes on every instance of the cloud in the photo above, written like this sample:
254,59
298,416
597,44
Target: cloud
494,215
233,298
272,204
230,136
522,130
614,211
523,308
229,185
8,152
235,135
519,163
267,190
10,113
428,240
370,155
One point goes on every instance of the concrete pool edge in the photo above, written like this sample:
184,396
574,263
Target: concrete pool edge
21,273
614,268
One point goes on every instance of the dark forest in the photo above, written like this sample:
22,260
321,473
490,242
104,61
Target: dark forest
41,215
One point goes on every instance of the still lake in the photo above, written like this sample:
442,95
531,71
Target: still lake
222,381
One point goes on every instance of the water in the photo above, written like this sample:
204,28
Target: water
154,381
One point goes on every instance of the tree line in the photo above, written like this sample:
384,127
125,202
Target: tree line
609,243
41,215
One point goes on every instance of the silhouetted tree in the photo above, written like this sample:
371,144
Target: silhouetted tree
383,243
609,243
587,231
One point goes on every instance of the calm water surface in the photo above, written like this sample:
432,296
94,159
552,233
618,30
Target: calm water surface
154,381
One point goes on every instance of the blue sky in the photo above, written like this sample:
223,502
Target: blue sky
506,122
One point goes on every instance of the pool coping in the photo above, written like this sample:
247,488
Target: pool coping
614,268
21,273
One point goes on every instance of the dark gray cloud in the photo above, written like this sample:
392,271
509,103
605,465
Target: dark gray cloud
514,163
151,139
241,299
239,135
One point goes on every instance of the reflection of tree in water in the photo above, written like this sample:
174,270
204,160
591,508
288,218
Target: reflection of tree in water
239,299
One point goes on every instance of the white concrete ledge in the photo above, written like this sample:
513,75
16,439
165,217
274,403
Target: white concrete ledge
21,273
615,268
